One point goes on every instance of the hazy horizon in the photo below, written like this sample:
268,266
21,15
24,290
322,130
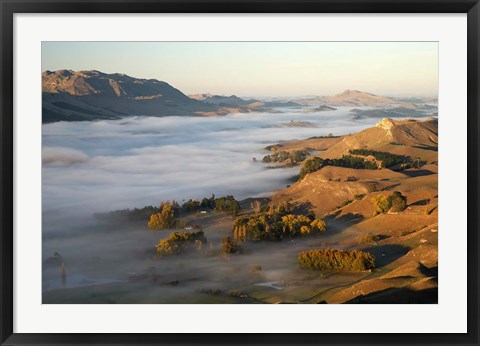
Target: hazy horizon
261,69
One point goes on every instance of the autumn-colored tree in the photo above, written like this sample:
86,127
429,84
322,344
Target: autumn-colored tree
369,238
381,204
396,202
292,224
164,219
318,225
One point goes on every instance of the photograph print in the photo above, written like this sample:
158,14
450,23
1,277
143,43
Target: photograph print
239,172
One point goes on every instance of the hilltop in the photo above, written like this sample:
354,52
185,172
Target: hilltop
353,98
416,138
358,98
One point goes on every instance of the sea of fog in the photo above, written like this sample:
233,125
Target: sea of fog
96,166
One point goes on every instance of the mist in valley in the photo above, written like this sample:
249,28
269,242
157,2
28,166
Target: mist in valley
106,165
100,166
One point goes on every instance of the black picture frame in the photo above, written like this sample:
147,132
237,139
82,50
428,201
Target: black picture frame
10,7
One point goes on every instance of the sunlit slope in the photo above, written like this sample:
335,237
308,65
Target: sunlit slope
338,189
416,138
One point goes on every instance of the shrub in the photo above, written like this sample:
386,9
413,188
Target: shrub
369,239
256,269
237,294
230,246
345,203
331,259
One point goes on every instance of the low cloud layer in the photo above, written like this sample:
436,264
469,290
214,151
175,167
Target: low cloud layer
137,161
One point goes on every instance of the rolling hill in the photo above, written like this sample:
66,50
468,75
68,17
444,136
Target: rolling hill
406,242
330,187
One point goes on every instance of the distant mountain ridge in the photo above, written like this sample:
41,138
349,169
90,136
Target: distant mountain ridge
69,95
221,100
235,101
89,95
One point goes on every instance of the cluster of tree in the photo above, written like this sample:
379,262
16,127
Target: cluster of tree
195,204
278,223
165,218
396,202
348,161
280,156
137,214
331,259
180,242
330,135
389,160
227,204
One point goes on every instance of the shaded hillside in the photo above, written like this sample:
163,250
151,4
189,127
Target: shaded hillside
88,95
224,101
248,104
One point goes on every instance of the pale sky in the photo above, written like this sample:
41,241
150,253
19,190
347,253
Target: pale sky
261,68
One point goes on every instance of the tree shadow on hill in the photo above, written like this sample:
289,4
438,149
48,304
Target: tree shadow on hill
418,173
337,223
425,147
420,202
390,187
302,208
398,296
385,254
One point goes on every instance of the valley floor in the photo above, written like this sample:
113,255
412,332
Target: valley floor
405,273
